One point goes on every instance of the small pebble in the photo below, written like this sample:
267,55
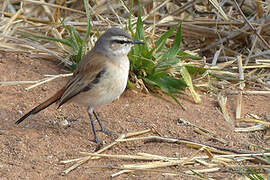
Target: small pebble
64,124
44,88
20,112
137,120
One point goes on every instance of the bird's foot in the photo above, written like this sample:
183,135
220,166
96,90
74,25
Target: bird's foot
108,133
96,140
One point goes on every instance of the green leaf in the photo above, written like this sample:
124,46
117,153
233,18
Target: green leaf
130,84
267,159
188,80
77,36
253,174
225,78
63,41
177,101
165,62
159,44
68,30
130,28
139,35
87,35
195,70
167,83
183,54
176,45
75,39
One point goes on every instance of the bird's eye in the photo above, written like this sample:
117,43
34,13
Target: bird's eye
122,41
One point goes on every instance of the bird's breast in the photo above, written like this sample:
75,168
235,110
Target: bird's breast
110,86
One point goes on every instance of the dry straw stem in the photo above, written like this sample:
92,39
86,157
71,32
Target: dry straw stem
37,82
163,173
239,100
263,125
258,127
190,143
210,170
220,10
200,33
241,87
210,136
36,20
55,6
157,164
161,161
25,44
254,66
222,100
13,18
214,60
187,160
202,131
241,72
45,80
253,45
252,120
249,92
83,160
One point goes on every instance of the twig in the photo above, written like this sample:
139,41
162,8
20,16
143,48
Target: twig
42,81
83,160
55,5
202,131
193,144
251,27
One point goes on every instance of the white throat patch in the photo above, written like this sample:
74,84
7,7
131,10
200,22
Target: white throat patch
122,50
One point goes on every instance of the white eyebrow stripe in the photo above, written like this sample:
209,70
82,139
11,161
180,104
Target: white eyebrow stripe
119,38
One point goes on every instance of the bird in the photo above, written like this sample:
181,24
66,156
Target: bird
99,79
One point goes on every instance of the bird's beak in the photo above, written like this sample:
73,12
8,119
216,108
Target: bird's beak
137,42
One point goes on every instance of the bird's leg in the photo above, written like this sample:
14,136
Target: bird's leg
90,111
102,129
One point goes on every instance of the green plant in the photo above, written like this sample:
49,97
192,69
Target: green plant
72,40
155,66
254,175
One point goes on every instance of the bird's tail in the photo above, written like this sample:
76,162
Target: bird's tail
43,105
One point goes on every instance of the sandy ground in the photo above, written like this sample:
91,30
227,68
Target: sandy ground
35,148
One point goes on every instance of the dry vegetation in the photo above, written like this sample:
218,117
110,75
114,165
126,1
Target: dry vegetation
232,37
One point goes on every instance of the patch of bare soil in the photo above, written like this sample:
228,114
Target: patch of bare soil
34,149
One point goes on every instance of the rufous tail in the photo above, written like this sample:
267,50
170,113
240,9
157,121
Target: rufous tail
43,105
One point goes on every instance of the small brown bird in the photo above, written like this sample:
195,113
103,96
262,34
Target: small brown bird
100,77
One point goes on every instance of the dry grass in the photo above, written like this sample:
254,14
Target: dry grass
232,38
210,162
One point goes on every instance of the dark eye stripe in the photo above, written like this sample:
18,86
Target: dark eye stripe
122,41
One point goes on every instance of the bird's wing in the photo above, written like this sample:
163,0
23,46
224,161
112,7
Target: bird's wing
87,74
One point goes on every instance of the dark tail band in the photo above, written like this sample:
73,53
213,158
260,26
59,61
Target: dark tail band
34,111
43,105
